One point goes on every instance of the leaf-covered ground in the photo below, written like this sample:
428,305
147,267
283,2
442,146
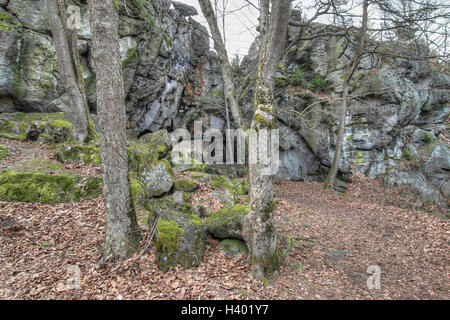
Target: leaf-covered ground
335,239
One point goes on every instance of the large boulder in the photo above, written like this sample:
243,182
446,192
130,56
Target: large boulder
157,178
46,182
42,127
31,13
184,9
227,222
180,235
233,247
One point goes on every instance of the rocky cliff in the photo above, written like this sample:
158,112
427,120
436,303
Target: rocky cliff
394,123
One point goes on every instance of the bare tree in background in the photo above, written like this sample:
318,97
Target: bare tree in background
258,227
425,21
65,42
122,235
225,66
350,70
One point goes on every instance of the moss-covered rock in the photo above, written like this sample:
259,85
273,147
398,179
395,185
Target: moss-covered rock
39,166
180,235
4,151
137,189
75,152
227,222
185,185
233,247
46,188
42,127
140,156
157,178
158,141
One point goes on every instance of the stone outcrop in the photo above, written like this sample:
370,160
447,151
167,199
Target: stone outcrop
172,78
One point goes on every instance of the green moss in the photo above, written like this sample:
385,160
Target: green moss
225,215
137,190
260,121
140,156
273,262
197,175
48,127
168,242
46,188
186,185
75,152
218,182
194,219
131,58
4,151
13,130
39,166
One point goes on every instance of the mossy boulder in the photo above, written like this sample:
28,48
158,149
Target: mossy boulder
140,156
138,194
5,151
158,141
157,178
180,235
47,188
236,186
233,247
185,185
39,166
75,152
227,222
183,163
42,127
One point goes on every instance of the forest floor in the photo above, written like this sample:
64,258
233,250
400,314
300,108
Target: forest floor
336,237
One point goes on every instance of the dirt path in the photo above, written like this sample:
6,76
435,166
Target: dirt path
337,238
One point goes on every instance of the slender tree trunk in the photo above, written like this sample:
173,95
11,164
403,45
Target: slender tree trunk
258,226
225,66
351,67
68,63
122,235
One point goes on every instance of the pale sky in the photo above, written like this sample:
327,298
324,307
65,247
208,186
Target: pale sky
240,24
241,20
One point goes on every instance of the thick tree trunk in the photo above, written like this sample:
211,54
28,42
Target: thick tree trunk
352,66
122,235
68,64
225,66
258,226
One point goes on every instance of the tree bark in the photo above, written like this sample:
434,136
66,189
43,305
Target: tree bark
122,235
258,226
351,67
68,64
225,66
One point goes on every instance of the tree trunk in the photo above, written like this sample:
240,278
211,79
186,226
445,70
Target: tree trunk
122,235
225,66
68,65
353,64
258,226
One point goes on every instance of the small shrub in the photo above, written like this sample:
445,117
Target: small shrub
297,77
427,137
319,84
